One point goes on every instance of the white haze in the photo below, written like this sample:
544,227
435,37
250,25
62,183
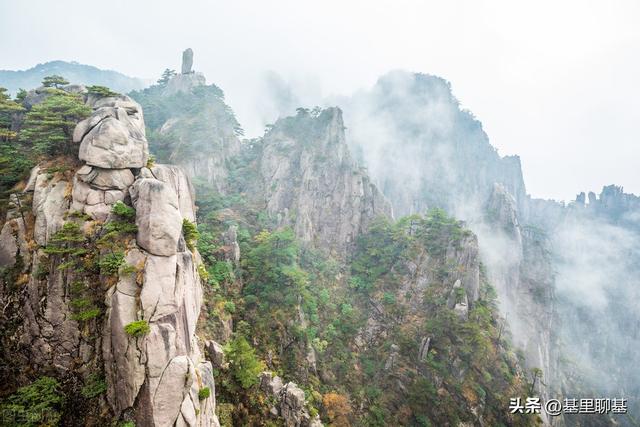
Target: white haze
555,82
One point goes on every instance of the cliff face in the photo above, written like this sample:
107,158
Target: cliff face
309,182
100,284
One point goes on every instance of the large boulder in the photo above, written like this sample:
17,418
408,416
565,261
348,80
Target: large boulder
105,179
181,185
157,216
114,136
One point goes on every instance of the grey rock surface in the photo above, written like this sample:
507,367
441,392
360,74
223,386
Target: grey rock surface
113,137
157,216
187,61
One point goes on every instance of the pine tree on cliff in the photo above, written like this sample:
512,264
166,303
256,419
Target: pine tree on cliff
54,81
166,76
48,127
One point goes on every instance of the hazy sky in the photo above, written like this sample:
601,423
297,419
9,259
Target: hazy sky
553,81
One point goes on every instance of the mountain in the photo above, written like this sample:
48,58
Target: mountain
375,264
72,71
565,273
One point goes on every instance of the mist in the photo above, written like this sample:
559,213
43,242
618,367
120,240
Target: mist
564,97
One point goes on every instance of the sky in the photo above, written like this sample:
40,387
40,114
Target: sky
555,82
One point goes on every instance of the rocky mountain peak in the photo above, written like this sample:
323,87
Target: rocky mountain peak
187,79
311,182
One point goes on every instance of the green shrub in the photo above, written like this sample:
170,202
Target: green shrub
117,228
138,328
110,263
66,240
190,233
229,307
85,315
245,366
95,386
204,393
122,210
38,404
202,272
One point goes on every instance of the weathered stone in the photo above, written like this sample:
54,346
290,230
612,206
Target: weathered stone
161,346
105,179
270,383
113,196
160,295
94,197
99,212
231,246
127,282
124,368
184,83
187,61
172,388
157,216
114,136
12,239
292,406
319,191
214,353
49,206
31,183
181,185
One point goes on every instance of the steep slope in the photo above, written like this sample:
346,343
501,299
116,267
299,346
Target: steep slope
543,257
73,72
100,288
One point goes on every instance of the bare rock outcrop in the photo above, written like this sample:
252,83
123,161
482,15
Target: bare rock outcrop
154,374
311,183
113,137
290,401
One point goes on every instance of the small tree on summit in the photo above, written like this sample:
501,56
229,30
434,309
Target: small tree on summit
54,81
166,76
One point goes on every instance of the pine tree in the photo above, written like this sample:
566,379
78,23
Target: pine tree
101,91
166,76
7,109
14,163
54,81
48,127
